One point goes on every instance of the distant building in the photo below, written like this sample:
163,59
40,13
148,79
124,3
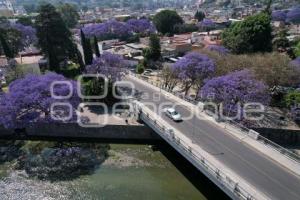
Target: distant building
19,10
178,44
122,17
6,8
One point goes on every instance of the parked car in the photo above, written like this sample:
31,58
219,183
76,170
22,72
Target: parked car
148,72
173,114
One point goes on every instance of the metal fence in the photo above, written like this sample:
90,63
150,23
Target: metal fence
224,179
289,154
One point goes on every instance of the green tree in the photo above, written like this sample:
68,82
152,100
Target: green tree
154,51
26,21
55,39
69,14
155,47
96,47
280,42
140,68
297,49
11,36
77,57
87,48
268,7
185,28
199,15
249,36
166,20
8,53
292,98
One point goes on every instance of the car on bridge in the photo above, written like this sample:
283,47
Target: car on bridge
173,114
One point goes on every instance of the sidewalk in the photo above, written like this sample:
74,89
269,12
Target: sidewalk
269,152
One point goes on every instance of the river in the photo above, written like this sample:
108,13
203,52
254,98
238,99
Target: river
130,172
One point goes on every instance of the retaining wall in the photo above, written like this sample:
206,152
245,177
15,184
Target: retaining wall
280,136
72,130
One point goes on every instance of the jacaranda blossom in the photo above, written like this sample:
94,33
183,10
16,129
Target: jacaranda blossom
236,87
29,100
110,65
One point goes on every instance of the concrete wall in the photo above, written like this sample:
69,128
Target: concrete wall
280,136
72,130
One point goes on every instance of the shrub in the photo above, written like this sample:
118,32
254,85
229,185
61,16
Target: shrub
292,98
140,68
272,68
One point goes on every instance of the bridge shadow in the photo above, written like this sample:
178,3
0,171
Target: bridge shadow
199,180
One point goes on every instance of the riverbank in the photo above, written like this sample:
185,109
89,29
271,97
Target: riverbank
128,172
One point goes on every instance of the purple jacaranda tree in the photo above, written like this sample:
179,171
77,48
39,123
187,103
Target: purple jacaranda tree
296,63
29,100
207,25
141,26
108,30
279,15
293,16
234,88
219,49
193,69
18,36
28,34
295,111
110,65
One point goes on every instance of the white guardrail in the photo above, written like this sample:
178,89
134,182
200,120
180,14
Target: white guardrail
168,133
289,154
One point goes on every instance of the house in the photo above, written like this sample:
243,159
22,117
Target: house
178,44
107,44
278,24
125,51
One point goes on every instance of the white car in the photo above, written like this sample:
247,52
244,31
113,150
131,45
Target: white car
173,114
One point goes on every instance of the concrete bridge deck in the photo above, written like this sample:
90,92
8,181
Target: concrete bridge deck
268,177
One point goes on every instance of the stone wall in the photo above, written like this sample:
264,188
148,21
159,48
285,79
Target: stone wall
73,131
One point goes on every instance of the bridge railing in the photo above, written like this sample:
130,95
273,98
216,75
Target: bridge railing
289,154
225,180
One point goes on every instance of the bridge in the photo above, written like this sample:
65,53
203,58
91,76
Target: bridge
234,159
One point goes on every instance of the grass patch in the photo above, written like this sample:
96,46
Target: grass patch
22,70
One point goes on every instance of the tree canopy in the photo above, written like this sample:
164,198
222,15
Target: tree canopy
199,15
16,37
154,52
108,64
293,16
26,21
166,20
29,100
87,49
297,49
69,14
236,87
193,69
55,39
254,34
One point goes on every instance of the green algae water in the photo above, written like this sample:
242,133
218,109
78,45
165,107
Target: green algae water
130,172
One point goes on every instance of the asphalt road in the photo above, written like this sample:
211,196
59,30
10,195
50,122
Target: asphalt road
271,178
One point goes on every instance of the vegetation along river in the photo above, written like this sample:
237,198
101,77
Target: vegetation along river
52,170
